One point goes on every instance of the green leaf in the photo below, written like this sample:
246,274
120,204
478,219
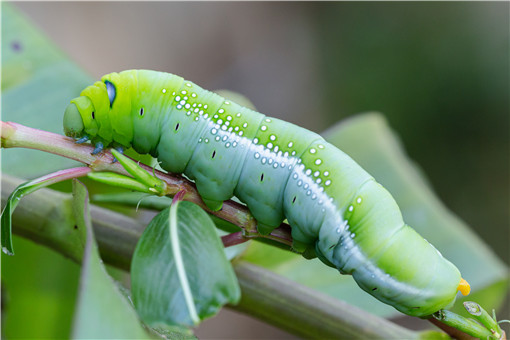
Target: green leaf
25,189
371,143
179,272
102,311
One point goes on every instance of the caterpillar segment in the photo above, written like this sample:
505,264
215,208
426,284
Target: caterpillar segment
337,211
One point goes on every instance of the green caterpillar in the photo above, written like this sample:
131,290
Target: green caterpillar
336,209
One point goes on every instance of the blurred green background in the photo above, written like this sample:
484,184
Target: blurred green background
437,70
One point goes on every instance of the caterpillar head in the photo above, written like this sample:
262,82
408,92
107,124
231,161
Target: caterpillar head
73,122
87,114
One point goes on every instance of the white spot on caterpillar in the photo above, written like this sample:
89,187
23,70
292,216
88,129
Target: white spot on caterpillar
351,208
308,172
240,133
257,155
286,154
196,119
178,98
221,110
255,140
229,118
224,138
188,84
182,102
188,113
275,165
227,103
293,153
282,164
164,90
270,161
318,180
295,176
276,149
238,114
224,127
179,107
318,161
314,196
220,121
328,182
352,235
326,173
205,106
206,115
290,144
234,144
230,129
207,140
217,138
200,140
309,192
316,173
272,137
299,183
263,128
338,230
187,106
320,202
245,125
196,110
305,186
263,160
183,92
321,146
290,167
193,94
312,150
268,120
173,93
227,145
269,145
358,200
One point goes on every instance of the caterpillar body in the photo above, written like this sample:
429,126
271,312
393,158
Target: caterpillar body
335,208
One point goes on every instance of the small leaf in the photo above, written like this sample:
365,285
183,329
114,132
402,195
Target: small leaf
142,175
179,272
102,311
25,189
119,180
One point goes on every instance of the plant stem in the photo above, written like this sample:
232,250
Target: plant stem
17,135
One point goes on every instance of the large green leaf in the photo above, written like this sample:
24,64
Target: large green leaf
179,272
102,311
371,143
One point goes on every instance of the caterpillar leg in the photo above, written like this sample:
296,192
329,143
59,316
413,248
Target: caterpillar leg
119,149
98,149
82,139
264,229
212,204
